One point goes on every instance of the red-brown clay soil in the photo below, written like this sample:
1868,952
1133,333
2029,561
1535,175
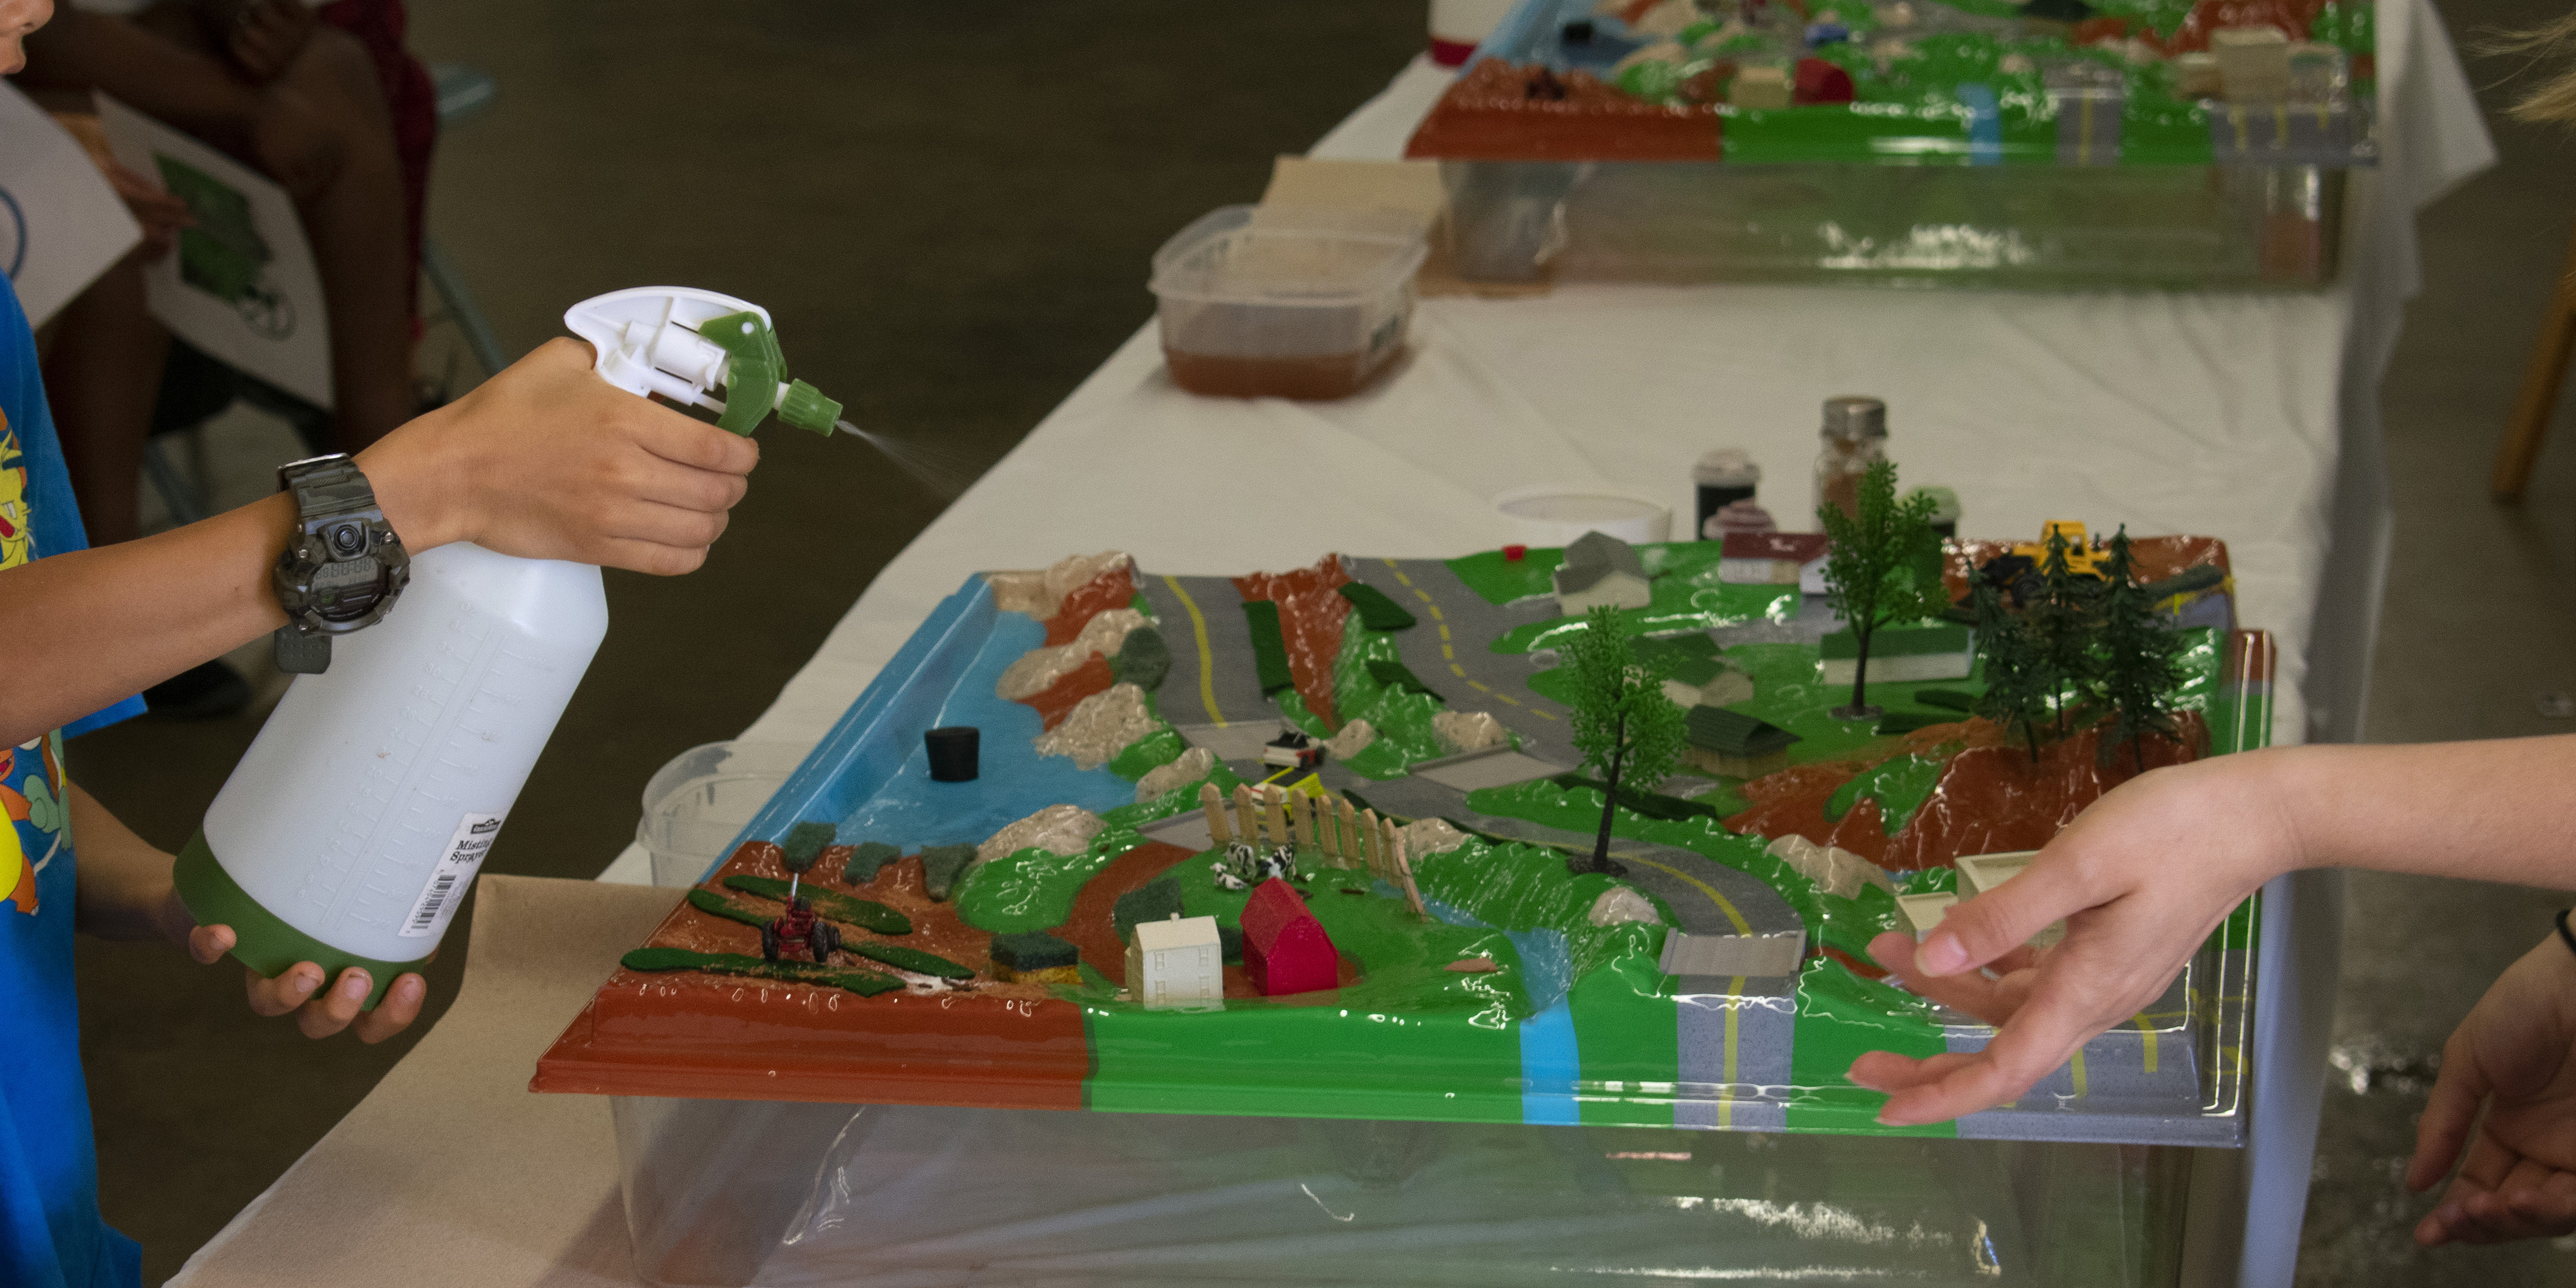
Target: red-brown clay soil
1500,112
688,1033
1311,611
2155,558
1990,796
1111,589
1057,700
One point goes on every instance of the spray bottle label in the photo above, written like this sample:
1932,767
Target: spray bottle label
455,871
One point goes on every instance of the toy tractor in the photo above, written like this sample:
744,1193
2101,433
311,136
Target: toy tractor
798,927
1292,749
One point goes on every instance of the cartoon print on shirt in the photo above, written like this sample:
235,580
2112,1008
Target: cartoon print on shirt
27,795
17,536
32,802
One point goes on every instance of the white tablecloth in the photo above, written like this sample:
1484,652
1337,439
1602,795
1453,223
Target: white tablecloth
2248,417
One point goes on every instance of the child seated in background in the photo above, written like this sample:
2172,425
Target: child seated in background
323,100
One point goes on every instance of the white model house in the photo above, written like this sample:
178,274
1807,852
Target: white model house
1600,569
1176,962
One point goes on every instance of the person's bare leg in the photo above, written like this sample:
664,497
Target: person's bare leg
323,132
101,377
355,219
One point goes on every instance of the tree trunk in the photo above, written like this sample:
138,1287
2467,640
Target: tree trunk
1610,802
1860,671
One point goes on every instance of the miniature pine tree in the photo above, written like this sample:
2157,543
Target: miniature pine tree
1622,722
2141,660
2016,695
2062,622
1870,574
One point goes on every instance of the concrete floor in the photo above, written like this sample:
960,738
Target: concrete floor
950,221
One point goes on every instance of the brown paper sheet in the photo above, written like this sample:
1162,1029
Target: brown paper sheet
451,1171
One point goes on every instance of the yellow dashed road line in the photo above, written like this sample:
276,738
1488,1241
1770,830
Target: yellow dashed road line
1207,656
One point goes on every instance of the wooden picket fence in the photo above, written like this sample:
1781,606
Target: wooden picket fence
1269,816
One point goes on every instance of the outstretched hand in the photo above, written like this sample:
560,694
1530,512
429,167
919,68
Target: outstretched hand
548,461
2514,1057
2141,879
299,991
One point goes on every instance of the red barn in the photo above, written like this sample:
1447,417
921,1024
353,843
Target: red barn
1285,950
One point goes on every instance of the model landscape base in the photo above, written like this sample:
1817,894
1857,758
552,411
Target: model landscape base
1372,757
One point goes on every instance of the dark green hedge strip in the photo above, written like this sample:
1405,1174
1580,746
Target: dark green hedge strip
1377,612
1269,647
866,914
865,983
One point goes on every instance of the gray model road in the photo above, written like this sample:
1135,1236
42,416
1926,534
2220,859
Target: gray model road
1213,694
1448,647
1733,1031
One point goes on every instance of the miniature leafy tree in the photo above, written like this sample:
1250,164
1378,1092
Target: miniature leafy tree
1870,574
1622,722
2018,696
2061,622
2141,660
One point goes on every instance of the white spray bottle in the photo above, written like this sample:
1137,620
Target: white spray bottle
350,830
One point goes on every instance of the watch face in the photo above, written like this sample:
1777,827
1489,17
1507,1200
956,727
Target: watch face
344,590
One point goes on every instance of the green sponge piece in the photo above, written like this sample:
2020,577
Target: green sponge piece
865,859
804,844
1029,950
1143,660
942,864
1152,901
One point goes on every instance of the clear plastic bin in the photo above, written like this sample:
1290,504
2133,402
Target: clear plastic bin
696,805
777,1193
2011,226
1286,301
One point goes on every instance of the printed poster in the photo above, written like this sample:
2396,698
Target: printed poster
61,225
242,285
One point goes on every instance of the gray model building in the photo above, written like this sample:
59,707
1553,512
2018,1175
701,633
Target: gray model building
1600,569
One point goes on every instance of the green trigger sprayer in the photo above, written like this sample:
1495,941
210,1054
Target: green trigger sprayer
355,823
679,342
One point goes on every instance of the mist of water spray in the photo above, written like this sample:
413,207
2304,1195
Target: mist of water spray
942,471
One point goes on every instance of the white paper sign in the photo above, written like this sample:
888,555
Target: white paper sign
61,225
241,285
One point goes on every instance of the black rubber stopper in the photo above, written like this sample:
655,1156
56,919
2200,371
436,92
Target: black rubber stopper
953,753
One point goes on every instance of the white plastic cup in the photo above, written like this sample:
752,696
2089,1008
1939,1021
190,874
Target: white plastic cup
696,805
353,826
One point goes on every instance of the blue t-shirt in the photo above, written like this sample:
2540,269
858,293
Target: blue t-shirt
51,1235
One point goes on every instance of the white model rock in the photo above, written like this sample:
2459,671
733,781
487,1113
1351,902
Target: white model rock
1100,726
1465,731
1040,594
1354,738
1057,829
1194,764
1620,905
1040,667
1425,837
1832,868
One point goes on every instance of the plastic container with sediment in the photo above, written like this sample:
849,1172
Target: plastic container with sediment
1286,301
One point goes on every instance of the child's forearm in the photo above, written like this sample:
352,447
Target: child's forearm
2500,810
124,882
81,630
84,629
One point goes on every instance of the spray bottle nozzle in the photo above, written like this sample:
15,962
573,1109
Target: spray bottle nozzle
805,407
682,343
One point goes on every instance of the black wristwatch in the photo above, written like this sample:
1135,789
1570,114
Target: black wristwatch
343,565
